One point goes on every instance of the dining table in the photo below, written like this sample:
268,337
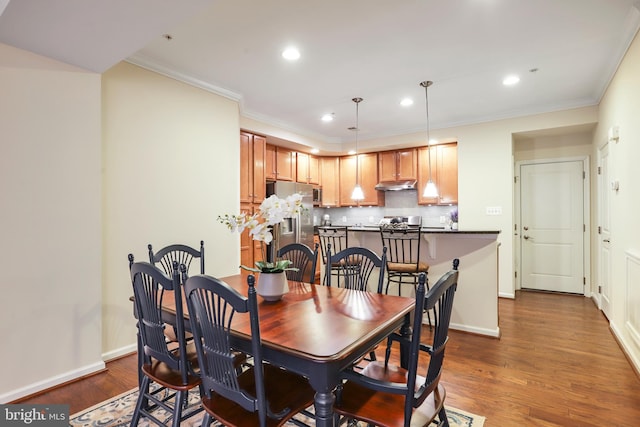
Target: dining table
315,330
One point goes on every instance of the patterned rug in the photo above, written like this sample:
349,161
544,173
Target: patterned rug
117,412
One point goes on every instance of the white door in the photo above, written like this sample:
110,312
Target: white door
604,231
552,221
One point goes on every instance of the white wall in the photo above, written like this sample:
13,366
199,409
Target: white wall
621,107
50,257
171,166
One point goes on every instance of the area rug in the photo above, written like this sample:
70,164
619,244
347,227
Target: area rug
117,412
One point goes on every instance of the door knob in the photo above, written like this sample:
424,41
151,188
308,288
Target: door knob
526,228
607,241
525,237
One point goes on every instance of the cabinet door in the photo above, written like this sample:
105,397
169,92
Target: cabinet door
387,165
368,178
448,173
314,170
285,164
329,169
444,173
270,163
259,181
407,162
368,170
302,166
246,169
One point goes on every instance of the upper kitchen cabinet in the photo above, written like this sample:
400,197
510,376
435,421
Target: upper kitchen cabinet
444,173
368,171
280,164
398,165
330,181
252,168
308,167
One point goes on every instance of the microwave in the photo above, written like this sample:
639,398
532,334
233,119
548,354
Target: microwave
317,196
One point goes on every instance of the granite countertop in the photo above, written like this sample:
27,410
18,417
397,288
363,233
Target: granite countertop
425,230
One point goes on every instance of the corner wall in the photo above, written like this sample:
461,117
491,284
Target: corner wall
50,257
171,166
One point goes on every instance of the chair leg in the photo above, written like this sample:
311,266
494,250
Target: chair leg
177,408
442,415
141,401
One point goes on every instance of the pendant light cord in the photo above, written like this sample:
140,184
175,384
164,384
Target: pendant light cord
425,85
357,101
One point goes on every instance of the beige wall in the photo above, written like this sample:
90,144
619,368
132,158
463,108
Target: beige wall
50,256
171,166
621,107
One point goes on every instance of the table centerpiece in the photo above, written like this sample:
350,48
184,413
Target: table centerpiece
263,226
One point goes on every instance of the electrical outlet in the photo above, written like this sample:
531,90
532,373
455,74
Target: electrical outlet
494,210
344,219
443,219
371,219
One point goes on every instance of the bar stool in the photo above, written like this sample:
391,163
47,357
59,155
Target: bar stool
338,238
403,255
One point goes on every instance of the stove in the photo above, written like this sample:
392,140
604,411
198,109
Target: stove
401,221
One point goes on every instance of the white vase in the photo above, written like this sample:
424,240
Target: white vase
272,286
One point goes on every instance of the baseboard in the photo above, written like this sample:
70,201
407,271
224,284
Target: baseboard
626,349
117,353
495,333
506,295
51,382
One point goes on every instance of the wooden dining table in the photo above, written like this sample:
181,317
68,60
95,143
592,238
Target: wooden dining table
316,331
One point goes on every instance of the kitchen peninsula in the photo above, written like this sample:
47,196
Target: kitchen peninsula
475,307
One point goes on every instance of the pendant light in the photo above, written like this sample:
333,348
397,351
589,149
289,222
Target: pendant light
357,193
430,190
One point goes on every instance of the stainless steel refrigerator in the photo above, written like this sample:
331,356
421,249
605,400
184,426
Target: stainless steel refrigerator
299,229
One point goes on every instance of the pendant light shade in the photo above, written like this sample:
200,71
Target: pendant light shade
357,193
430,190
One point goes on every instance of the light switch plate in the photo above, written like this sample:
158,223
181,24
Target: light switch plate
494,210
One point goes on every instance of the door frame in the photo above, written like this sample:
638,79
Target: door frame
586,211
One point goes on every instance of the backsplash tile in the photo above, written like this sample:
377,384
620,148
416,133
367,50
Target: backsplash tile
397,203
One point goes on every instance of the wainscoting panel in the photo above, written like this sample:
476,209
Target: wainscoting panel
632,321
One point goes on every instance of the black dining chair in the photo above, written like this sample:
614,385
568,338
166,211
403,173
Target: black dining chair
171,367
182,254
391,396
263,394
303,258
355,267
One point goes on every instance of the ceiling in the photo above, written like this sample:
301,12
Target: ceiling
564,51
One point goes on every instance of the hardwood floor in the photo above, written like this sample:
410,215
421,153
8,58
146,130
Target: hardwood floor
556,364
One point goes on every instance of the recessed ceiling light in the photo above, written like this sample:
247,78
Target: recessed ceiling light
328,117
351,152
510,80
406,102
314,151
291,53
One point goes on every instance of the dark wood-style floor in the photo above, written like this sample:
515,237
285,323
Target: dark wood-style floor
556,364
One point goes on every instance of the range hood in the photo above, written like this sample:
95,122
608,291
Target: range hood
396,185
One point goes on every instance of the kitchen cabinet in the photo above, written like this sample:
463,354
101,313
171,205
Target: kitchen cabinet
280,164
444,173
308,168
250,250
368,171
398,165
329,179
252,168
